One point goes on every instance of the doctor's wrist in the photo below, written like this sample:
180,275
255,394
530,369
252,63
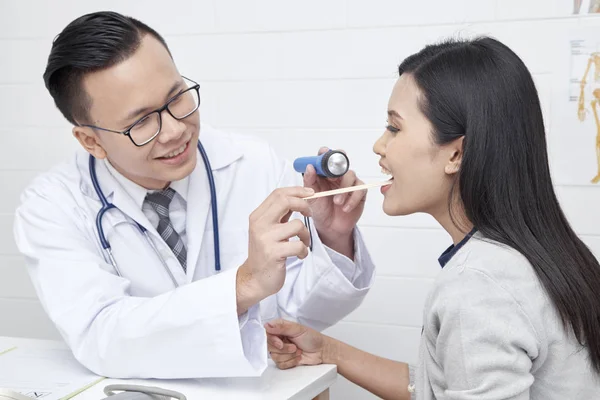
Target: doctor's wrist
247,292
343,244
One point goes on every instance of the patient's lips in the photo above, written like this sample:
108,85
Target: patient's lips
385,171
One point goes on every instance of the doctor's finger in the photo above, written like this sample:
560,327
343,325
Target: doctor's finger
280,196
290,229
292,249
355,198
286,204
349,179
310,178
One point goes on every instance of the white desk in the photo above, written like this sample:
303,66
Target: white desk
300,383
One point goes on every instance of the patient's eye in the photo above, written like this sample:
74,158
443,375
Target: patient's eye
392,129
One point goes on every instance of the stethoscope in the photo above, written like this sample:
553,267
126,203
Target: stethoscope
140,392
107,206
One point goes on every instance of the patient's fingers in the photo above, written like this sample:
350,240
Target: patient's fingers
287,348
286,361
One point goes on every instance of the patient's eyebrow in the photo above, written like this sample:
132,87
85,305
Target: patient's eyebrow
393,113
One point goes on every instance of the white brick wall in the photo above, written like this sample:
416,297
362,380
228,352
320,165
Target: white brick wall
302,75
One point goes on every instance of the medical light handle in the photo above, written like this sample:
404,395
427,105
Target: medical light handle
331,164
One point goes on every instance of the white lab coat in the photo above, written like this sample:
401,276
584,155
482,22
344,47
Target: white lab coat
139,325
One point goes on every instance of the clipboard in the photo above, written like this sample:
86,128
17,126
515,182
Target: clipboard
46,374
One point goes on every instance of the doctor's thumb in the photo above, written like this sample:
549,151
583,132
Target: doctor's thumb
310,177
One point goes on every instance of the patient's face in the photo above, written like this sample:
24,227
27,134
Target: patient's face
408,152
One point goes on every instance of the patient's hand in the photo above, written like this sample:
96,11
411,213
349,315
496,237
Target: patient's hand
291,344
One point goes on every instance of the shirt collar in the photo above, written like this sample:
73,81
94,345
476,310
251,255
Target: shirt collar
138,193
453,249
181,187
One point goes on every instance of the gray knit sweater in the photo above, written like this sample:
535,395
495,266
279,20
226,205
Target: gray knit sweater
491,333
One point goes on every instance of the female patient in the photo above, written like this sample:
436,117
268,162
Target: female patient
515,311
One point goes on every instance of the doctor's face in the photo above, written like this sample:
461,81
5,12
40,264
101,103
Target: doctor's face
418,166
125,93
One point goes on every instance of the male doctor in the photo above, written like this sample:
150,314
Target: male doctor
114,79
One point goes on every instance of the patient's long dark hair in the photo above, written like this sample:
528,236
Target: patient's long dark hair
481,90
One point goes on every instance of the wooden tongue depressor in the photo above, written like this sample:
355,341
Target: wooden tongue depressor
347,189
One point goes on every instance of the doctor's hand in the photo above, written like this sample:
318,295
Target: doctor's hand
269,244
291,344
336,216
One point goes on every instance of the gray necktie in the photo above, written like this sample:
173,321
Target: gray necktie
160,202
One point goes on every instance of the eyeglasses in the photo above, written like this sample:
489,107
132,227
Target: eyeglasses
145,129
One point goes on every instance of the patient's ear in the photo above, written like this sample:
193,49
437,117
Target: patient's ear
455,149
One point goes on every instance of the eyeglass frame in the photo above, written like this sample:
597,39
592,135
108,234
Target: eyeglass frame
127,132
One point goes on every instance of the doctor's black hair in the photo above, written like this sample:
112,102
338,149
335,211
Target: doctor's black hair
90,43
482,91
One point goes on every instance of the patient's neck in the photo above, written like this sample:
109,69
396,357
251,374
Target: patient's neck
455,223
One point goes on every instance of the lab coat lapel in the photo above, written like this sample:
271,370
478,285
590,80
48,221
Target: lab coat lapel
198,205
222,151
117,195
125,203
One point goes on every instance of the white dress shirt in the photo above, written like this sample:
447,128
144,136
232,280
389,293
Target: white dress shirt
177,208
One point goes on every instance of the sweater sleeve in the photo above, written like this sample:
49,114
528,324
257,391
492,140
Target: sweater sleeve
486,342
411,381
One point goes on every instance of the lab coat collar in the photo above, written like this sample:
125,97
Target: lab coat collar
138,193
220,147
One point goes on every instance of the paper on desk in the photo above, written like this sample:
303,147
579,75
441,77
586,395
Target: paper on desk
49,374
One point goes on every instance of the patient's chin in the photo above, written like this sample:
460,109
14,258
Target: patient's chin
396,209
